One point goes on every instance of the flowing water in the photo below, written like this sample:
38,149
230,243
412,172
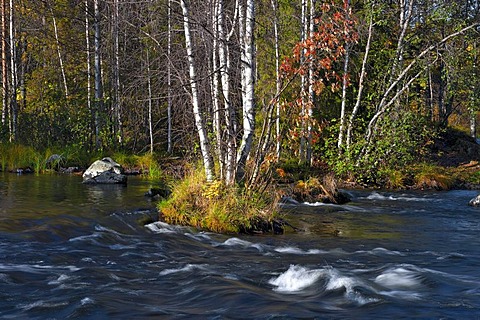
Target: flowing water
69,250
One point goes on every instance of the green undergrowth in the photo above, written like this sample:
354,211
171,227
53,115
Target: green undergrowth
216,207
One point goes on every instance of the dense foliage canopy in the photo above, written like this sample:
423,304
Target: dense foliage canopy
357,84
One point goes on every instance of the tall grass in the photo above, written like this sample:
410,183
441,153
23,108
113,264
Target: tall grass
14,156
214,206
429,176
149,166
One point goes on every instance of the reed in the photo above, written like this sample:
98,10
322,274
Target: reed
149,166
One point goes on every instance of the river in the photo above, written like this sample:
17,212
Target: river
72,251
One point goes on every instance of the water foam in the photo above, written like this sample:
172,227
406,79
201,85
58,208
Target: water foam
295,250
161,227
295,279
377,196
399,278
187,268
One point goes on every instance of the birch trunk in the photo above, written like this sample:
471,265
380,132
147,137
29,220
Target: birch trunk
59,53
363,73
4,63
343,107
278,80
217,123
116,105
224,59
303,80
89,67
98,76
169,79
149,89
387,98
13,75
199,121
248,87
311,93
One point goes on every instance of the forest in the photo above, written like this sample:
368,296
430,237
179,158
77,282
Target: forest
248,88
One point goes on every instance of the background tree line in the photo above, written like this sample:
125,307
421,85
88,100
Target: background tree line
359,84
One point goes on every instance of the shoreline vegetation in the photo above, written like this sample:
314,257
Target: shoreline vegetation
186,198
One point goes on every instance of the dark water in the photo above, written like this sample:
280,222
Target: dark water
81,252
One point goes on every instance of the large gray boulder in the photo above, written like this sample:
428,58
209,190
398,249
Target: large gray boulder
475,202
105,171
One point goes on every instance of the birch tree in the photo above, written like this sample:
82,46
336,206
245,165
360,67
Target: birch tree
248,87
4,62
13,75
98,75
205,146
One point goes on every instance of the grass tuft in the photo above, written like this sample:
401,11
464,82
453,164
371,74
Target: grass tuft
214,206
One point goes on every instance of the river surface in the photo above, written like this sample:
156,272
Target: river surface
72,251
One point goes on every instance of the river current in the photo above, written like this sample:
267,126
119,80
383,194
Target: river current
72,251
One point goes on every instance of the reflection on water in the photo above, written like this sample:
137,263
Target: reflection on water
69,250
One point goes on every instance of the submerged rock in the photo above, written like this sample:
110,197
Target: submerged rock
161,192
105,171
475,202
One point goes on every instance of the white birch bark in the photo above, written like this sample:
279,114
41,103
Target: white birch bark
98,74
149,89
199,121
217,123
311,93
248,87
116,105
387,98
4,62
363,73
343,107
169,79
59,53
89,67
13,75
224,59
278,81
303,80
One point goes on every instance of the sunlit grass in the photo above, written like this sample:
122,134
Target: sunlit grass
430,176
214,206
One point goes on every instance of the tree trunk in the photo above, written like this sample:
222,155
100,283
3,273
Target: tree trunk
217,122
393,91
343,107
4,63
149,88
116,105
169,79
363,73
278,80
89,67
13,74
303,90
98,77
248,86
59,53
224,59
311,93
199,121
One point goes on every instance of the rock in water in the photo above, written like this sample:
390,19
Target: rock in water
105,171
475,202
